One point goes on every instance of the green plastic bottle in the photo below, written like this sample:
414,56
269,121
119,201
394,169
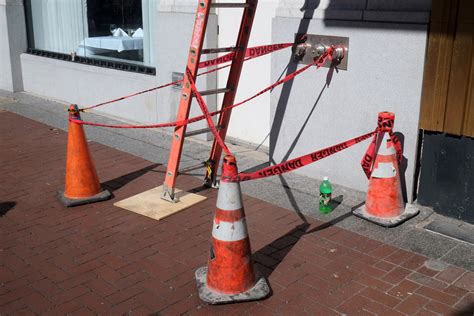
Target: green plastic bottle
325,192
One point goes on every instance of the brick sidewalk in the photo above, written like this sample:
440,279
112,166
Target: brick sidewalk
99,259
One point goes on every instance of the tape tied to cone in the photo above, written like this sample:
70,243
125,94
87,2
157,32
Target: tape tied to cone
384,204
81,181
385,124
296,163
230,275
230,268
384,196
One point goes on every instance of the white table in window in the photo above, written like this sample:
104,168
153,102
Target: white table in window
102,44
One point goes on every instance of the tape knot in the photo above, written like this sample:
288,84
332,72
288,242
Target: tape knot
385,121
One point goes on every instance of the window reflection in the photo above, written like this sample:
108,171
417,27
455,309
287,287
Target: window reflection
99,29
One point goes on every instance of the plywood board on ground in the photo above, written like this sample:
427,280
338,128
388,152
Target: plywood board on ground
150,204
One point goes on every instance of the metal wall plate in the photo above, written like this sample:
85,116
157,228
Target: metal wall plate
175,76
313,41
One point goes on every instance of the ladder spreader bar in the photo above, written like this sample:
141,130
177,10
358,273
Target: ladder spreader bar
229,5
219,50
201,131
214,91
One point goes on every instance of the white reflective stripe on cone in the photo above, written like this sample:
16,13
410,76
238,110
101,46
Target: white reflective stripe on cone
384,170
230,231
384,149
229,197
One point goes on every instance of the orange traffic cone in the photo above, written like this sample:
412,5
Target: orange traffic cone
384,204
230,275
82,184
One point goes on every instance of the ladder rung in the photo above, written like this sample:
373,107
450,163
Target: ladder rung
214,91
230,5
219,50
201,131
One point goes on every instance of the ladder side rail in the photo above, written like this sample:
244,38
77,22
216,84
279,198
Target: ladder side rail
197,40
232,84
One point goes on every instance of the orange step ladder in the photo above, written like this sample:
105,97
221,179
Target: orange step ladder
194,57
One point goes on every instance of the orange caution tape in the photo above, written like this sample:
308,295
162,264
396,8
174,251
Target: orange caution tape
205,111
251,53
384,124
318,63
299,162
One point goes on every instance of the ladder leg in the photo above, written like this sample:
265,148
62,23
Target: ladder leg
194,55
232,84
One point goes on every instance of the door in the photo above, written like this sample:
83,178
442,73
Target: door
447,112
448,101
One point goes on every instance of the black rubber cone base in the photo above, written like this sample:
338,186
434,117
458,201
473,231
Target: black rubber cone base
102,196
410,211
259,291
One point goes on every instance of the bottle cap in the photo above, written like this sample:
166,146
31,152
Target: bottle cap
325,179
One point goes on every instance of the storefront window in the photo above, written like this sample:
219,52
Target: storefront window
117,30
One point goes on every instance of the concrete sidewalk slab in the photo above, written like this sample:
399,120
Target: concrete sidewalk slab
100,259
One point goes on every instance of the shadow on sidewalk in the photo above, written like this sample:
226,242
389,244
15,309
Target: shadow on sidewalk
121,181
5,207
466,311
278,249
330,223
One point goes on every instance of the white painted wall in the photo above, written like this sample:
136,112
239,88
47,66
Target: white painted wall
385,73
175,20
5,61
86,85
12,43
251,122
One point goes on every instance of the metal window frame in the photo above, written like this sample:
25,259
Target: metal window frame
104,63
